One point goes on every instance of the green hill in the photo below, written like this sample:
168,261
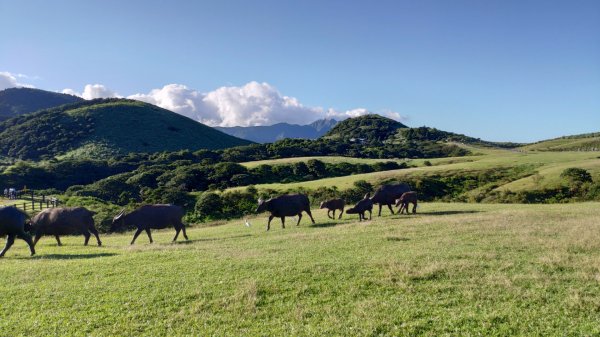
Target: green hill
368,128
105,127
19,101
583,142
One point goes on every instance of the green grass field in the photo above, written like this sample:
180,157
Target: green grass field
326,159
454,269
548,165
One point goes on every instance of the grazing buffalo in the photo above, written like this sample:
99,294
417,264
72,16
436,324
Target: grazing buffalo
151,216
64,221
333,205
12,225
405,199
285,205
387,195
365,205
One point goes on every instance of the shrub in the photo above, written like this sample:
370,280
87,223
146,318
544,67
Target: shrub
576,175
209,206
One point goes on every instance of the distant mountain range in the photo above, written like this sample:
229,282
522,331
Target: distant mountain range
18,101
272,133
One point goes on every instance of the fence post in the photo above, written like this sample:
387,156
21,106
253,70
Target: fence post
25,206
47,204
32,201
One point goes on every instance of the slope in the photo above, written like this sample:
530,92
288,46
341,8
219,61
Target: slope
18,101
583,142
106,127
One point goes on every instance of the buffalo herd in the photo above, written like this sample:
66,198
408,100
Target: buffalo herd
78,220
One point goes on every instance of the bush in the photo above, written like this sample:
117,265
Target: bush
209,206
576,175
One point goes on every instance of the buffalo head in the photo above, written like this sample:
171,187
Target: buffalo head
262,205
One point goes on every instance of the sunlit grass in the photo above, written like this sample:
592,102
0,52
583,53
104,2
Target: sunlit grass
454,269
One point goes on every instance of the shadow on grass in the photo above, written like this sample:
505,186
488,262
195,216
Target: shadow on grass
397,238
71,256
325,224
445,213
187,242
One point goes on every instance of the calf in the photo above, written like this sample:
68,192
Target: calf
366,204
405,199
333,205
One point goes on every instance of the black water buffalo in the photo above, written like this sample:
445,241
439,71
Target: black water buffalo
333,205
365,205
12,225
387,195
64,221
151,216
285,205
408,198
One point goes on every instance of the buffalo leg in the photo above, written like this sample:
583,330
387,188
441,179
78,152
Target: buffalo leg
283,222
27,238
310,215
414,208
299,218
390,207
177,230
37,238
329,214
149,235
269,223
95,232
87,235
137,233
9,242
379,214
58,239
183,230
341,212
369,215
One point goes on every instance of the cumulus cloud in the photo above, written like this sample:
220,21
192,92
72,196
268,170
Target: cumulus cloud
249,105
9,80
91,91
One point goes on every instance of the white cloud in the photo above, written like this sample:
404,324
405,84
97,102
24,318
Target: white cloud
252,104
91,91
8,80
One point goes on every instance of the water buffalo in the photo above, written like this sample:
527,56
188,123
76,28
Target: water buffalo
333,205
405,199
151,216
64,221
285,205
12,225
387,195
365,205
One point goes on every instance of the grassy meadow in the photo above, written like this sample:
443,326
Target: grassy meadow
453,269
547,165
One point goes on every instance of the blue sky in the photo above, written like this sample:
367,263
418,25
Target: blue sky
498,70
